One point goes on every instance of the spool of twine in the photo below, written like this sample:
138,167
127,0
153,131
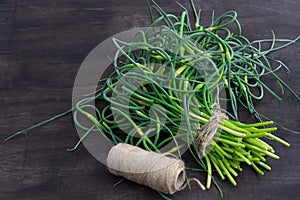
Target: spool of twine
157,171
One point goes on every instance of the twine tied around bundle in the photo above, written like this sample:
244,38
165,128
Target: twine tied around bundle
157,171
208,131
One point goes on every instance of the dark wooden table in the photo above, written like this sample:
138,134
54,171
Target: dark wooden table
42,44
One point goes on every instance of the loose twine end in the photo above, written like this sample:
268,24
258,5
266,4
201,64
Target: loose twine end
198,182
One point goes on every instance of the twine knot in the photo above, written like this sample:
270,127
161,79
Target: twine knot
208,131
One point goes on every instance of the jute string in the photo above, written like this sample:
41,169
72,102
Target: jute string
157,171
208,131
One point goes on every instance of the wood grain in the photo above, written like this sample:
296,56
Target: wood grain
42,44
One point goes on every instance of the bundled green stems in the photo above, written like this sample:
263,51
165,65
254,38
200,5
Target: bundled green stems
241,63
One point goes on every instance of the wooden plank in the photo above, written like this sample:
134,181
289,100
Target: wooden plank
42,44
